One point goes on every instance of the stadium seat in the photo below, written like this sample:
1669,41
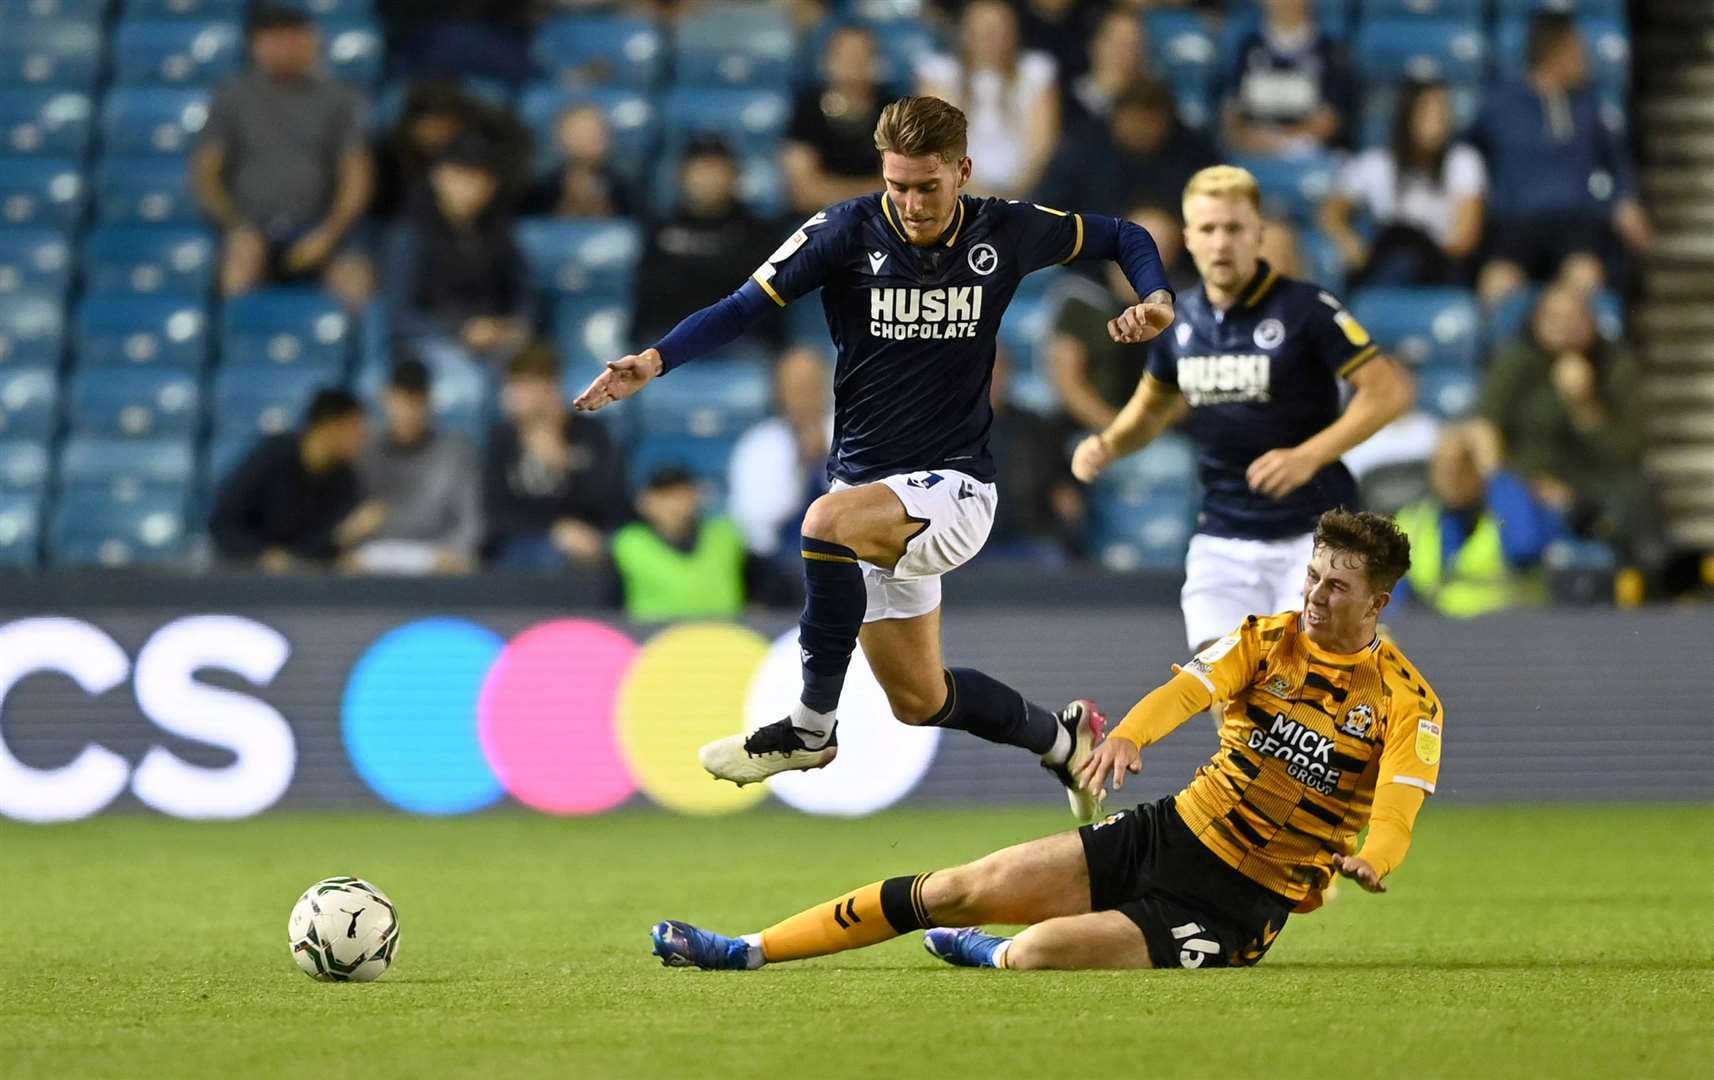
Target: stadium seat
591,331
96,528
40,192
1422,9
1423,327
1596,9
1446,392
596,258
1150,534
32,331
185,9
118,331
224,454
751,121
1375,114
45,123
35,261
1454,50
148,120
761,184
23,464
1608,43
1508,318
29,402
262,401
22,12
708,460
716,397
287,327
144,191
1183,50
901,45
735,45
176,52
591,50
461,396
632,117
120,464
20,528
355,51
134,403
149,260
62,55
1165,466
1292,187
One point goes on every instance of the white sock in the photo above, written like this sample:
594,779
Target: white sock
755,943
812,727
1060,753
1000,952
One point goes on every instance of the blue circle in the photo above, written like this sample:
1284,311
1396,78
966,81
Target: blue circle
409,716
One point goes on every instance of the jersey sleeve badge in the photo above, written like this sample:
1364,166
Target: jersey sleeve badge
1428,741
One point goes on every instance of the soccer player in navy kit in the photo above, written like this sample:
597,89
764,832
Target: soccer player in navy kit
1254,362
914,281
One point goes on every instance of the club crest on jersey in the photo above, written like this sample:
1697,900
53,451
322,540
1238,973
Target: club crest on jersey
1269,334
983,259
1279,686
1359,719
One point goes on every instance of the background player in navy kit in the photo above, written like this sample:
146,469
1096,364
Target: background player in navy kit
914,281
1254,362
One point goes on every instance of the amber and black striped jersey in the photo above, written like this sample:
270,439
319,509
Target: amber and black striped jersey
1305,739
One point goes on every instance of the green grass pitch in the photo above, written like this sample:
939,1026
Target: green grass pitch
1538,942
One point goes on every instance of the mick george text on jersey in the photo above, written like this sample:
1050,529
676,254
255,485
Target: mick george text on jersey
937,314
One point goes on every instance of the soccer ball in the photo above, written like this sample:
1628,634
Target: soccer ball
343,929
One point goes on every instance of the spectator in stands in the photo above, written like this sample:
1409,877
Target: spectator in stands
699,252
427,482
584,184
1144,155
829,154
283,167
1423,193
675,563
1061,29
1568,405
553,484
435,114
1042,513
1116,51
1010,96
779,466
1290,91
456,279
1477,540
1561,177
294,499
1093,375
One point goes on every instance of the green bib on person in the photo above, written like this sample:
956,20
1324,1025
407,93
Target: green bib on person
664,582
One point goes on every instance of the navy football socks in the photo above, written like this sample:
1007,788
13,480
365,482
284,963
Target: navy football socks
989,709
833,607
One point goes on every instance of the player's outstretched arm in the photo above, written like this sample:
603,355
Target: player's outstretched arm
699,334
1153,407
1385,391
1149,721
1143,322
623,377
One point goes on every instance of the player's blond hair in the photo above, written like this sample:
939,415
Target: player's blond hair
921,127
1225,181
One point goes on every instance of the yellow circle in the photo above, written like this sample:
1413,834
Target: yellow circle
686,688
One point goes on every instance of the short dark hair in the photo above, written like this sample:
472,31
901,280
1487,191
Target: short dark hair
923,127
1384,547
536,361
668,477
331,403
1547,31
409,375
1145,93
273,15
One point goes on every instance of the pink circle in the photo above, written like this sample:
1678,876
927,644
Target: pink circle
545,717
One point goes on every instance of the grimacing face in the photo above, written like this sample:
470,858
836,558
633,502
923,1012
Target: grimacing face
924,190
1224,236
1338,601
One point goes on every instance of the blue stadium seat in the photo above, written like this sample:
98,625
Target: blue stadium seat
761,184
147,120
32,332
597,258
1423,327
1455,50
716,398
1325,265
119,331
41,191
224,454
185,9
749,120
1422,9
1598,9
1165,466
149,260
287,327
707,460
62,55
144,191
590,332
20,528
735,45
98,528
251,401
23,464
22,12
176,52
1446,392
1184,51
1608,43
134,403
591,50
34,261
341,10
631,116
1375,114
901,44
1149,534
29,402
45,123
99,462
1508,317
355,50
1292,187
461,396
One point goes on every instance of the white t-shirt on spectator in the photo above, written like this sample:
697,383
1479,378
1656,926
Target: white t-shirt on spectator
1370,179
995,112
766,481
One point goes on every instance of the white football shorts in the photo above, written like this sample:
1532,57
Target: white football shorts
1226,580
957,512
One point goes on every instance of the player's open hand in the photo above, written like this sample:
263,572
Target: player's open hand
1141,322
1091,456
1359,871
623,377
1278,473
1111,760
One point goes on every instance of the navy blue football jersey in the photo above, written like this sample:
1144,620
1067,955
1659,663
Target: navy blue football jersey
1263,375
915,327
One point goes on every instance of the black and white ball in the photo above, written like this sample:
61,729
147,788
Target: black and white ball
344,929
